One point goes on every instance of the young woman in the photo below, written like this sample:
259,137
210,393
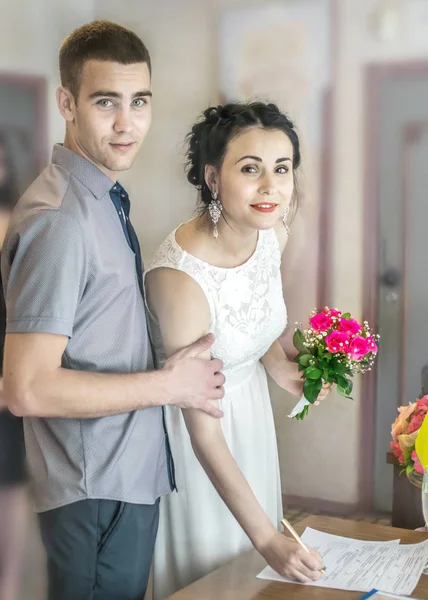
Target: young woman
220,272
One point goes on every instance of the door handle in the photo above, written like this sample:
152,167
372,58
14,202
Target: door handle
391,278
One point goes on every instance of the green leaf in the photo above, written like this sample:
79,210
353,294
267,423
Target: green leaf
305,359
409,469
340,369
311,389
298,339
302,414
346,316
313,373
345,384
325,375
342,382
342,392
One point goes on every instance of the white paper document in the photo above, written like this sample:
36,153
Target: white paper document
361,566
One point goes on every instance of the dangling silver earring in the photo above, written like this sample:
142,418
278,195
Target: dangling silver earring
284,221
215,209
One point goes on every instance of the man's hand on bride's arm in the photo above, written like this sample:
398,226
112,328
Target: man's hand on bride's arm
184,320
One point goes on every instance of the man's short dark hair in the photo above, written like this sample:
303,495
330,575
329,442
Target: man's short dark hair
99,40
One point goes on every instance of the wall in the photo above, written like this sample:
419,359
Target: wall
324,461
30,36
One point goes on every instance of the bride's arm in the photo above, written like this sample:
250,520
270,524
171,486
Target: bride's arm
183,315
282,370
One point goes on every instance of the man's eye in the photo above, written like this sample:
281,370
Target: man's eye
105,103
138,102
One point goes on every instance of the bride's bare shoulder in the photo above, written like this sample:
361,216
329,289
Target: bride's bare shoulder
192,238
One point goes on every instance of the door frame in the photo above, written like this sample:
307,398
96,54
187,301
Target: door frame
37,85
374,77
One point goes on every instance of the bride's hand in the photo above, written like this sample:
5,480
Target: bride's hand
325,390
290,560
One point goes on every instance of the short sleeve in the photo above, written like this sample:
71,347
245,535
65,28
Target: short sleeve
44,273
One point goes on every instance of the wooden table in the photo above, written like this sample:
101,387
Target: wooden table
406,499
237,580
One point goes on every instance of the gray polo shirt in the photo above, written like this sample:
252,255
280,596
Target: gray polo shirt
68,269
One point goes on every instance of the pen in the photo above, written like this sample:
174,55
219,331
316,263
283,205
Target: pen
290,528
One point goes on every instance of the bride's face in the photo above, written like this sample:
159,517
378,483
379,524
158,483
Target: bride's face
256,182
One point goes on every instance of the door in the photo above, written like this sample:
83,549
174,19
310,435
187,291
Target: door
402,273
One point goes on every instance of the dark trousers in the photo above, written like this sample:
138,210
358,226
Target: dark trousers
99,549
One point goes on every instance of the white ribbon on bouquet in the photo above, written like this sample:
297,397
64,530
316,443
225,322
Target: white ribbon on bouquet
299,407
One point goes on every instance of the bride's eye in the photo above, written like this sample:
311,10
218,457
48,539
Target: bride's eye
282,170
249,169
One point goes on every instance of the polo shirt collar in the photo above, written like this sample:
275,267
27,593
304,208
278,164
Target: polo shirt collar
83,170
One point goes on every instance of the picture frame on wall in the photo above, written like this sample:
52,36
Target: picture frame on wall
23,128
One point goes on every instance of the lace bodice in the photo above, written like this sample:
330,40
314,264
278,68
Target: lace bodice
246,303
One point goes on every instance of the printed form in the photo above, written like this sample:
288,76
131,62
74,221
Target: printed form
361,566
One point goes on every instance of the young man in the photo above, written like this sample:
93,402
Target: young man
78,360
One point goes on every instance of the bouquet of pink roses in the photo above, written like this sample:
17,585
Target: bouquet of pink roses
334,348
404,432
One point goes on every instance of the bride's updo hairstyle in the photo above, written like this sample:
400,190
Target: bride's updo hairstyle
218,125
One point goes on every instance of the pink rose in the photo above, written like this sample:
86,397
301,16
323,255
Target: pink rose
422,403
372,344
321,322
332,312
358,348
350,326
337,341
417,466
415,423
398,453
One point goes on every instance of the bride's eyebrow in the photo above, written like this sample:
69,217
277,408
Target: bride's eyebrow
258,159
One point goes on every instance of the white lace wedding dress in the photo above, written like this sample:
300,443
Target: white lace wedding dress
197,533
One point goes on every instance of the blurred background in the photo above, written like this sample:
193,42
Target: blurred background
353,75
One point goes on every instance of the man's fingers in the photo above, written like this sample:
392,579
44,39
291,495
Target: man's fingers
211,410
217,393
219,379
216,365
200,346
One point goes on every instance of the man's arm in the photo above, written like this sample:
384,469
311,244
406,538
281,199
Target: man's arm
45,270
35,384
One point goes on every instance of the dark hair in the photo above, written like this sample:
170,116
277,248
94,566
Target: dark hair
9,193
210,136
99,40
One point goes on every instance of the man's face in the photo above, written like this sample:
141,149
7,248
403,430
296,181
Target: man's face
112,114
